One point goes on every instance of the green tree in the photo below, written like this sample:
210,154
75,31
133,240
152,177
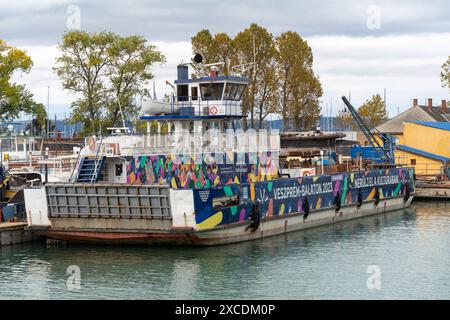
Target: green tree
82,67
373,111
445,74
300,89
105,70
129,71
15,98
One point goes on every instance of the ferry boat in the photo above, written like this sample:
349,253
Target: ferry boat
195,178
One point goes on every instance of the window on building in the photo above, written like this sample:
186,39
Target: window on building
413,162
211,91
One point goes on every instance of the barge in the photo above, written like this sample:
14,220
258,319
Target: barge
195,178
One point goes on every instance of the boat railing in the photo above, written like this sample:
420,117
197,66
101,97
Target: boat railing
97,161
202,143
212,141
75,168
196,106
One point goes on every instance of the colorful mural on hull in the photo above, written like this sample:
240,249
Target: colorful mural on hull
185,172
286,196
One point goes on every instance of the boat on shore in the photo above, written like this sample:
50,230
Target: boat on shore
195,178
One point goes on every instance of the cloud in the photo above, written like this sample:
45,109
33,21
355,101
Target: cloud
176,20
404,55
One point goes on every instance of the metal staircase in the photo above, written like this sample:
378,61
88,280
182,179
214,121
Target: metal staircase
90,168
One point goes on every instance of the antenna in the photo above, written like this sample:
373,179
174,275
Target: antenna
121,113
254,55
241,68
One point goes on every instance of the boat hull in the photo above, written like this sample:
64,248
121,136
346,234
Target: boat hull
231,233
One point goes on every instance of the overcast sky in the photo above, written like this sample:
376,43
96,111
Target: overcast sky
359,46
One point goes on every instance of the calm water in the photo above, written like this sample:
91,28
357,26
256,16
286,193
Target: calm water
411,248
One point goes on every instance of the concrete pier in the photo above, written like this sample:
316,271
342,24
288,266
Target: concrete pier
14,233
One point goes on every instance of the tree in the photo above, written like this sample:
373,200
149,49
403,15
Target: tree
344,119
82,67
445,74
282,79
373,111
105,70
254,44
305,110
217,48
300,89
15,98
131,59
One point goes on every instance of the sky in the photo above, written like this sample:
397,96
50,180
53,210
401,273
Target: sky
360,47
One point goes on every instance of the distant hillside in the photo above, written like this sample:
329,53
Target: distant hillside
67,129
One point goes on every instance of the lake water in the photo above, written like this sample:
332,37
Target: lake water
400,255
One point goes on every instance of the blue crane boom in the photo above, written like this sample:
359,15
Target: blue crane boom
386,149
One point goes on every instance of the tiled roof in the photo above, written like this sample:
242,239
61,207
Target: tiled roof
414,114
422,153
435,112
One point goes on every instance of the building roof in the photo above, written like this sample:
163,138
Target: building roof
422,153
414,114
437,125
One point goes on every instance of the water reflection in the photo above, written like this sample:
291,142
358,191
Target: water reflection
410,246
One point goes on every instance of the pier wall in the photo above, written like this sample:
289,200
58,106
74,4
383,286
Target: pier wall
14,233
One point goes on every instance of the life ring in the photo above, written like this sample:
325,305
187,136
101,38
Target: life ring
213,111
91,143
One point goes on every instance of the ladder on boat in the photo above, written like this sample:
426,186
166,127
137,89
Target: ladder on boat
90,168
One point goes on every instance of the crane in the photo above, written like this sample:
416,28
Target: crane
386,149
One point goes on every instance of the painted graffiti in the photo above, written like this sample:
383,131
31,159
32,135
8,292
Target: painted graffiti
287,196
186,172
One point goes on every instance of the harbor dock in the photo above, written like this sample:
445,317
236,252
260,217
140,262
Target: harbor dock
433,190
15,233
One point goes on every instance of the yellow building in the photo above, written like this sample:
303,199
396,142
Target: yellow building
425,146
422,136
424,113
